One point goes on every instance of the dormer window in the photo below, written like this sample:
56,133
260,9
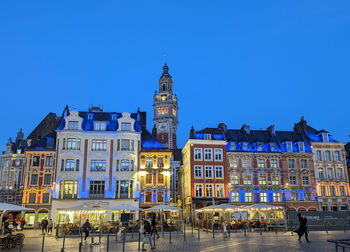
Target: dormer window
100,126
301,147
325,137
272,146
245,146
233,146
207,136
90,116
73,125
289,146
114,117
260,147
126,126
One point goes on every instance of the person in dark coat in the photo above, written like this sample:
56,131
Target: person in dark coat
154,228
302,229
147,234
44,224
86,229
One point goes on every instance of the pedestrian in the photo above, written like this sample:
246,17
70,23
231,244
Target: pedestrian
154,228
302,228
44,224
50,226
146,224
23,222
86,229
224,229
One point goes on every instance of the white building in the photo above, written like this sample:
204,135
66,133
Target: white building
97,160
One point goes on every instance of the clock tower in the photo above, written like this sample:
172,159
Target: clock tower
165,111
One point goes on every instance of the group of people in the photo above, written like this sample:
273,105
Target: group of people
148,228
46,226
10,225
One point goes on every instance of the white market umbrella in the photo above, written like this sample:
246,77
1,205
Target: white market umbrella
12,207
163,208
261,206
83,208
123,207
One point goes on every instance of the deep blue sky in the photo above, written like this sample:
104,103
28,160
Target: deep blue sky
255,62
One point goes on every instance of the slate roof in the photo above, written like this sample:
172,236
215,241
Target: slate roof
177,155
148,142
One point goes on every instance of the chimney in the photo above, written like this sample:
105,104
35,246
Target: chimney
301,126
271,129
246,128
223,126
192,133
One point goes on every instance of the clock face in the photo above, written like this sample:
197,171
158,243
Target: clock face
163,126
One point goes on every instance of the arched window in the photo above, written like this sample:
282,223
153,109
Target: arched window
163,88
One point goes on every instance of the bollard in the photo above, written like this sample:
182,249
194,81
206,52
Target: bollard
64,240
184,232
199,235
260,231
132,233
80,245
170,236
154,239
192,228
123,241
229,231
92,240
212,228
108,243
139,241
42,245
245,232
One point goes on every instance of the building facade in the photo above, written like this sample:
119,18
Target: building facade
154,177
203,177
165,111
97,159
329,157
13,163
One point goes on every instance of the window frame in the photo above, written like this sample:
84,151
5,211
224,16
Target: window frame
196,152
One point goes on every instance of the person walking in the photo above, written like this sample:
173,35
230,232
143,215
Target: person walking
154,228
224,229
146,228
44,224
302,228
50,226
86,229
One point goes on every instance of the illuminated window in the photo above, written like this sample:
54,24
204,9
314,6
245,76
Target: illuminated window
323,191
174,112
124,165
166,110
69,189
247,180
160,179
70,165
235,196
234,180
332,190
276,197
36,160
163,110
220,191
263,197
159,111
248,197
262,180
272,147
247,163
261,163
275,180
199,190
245,146
149,179
259,147
233,163
208,190
160,162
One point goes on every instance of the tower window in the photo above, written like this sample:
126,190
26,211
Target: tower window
163,88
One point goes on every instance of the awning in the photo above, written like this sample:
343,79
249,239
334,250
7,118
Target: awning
163,208
219,207
12,207
123,207
262,206
83,208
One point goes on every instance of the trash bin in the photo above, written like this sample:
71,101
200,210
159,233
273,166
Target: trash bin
95,247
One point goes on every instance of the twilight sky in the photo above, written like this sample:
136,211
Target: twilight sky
255,62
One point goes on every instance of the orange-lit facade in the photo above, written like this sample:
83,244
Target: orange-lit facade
154,177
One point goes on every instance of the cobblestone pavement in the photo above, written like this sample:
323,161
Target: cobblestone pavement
266,242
